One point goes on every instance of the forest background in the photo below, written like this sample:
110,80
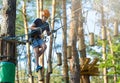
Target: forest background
95,15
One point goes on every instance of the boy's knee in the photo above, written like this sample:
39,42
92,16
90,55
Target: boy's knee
44,46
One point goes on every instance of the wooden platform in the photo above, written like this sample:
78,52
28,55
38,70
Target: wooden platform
89,68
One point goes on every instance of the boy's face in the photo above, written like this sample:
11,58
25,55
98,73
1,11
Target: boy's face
44,18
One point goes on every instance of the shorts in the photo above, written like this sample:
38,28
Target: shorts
37,42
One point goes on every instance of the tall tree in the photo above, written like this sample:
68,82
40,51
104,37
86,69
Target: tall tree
104,42
65,65
8,29
74,62
112,53
38,8
28,43
51,37
41,58
82,46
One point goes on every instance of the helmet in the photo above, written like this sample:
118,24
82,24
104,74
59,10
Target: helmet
46,13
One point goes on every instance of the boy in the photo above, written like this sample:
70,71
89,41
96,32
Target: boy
38,27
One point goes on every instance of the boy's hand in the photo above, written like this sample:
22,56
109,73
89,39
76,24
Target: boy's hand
53,31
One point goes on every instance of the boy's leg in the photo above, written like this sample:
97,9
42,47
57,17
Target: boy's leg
36,50
43,48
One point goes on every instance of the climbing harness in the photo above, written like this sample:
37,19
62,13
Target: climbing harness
39,29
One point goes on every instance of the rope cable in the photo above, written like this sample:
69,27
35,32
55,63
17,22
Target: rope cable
69,14
16,37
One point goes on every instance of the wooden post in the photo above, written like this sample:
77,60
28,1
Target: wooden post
104,36
80,45
8,50
31,79
86,62
40,76
49,67
69,55
1,51
59,59
116,28
93,64
91,37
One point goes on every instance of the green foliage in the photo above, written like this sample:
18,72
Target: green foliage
19,24
30,11
108,62
96,79
92,51
56,76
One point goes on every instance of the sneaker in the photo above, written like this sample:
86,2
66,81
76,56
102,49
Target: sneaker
38,68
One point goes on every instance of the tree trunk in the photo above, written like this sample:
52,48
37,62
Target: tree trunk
104,45
41,8
38,8
27,44
65,65
74,62
8,29
112,53
82,48
41,58
104,58
17,75
39,4
51,38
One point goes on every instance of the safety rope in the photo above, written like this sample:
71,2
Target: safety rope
21,37
29,34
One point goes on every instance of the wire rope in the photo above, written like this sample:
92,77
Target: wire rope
16,37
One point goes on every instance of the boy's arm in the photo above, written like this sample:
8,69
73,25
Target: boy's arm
49,33
33,27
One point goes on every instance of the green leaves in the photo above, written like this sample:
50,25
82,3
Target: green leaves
108,62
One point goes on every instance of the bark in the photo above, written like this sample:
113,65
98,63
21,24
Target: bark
51,37
38,8
104,58
74,62
27,44
17,75
104,46
82,50
65,65
111,50
39,4
41,7
8,29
